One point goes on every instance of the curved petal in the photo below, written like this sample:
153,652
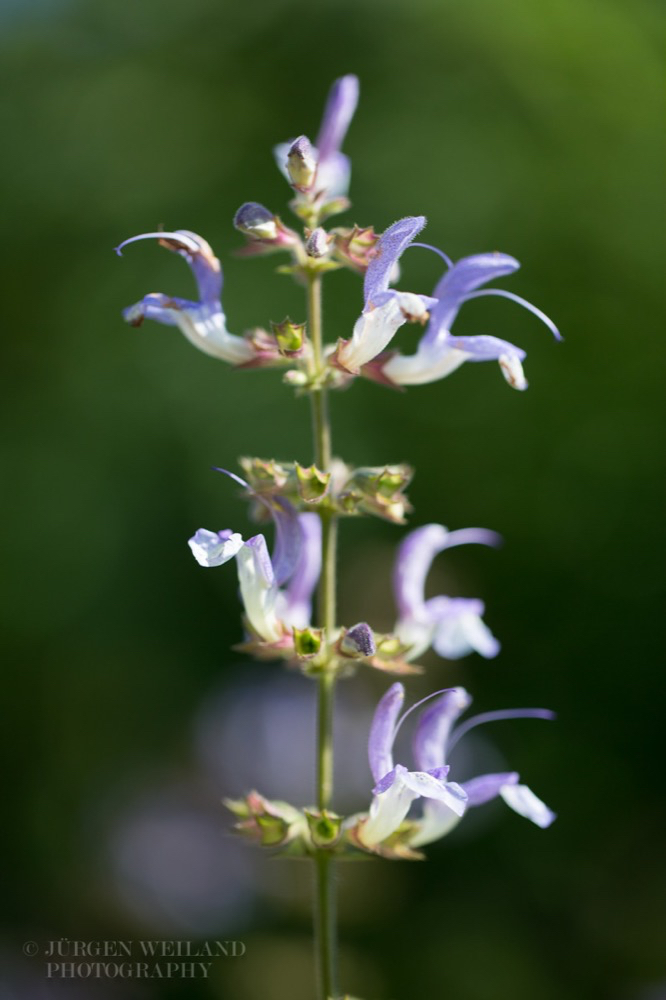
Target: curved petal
487,787
452,625
425,366
296,603
376,327
289,529
462,631
338,113
434,726
288,538
198,254
391,245
158,307
428,787
214,548
203,325
522,800
438,357
438,820
203,322
415,555
258,588
387,811
382,731
512,370
464,277
416,635
483,347
206,328
486,348
334,175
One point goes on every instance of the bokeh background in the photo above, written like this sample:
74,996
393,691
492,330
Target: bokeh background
527,128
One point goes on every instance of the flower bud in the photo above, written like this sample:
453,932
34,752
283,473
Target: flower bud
301,164
295,378
256,221
317,243
357,642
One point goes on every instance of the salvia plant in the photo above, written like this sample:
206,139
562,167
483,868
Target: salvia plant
411,803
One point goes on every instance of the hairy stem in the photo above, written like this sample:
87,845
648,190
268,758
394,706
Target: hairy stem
326,943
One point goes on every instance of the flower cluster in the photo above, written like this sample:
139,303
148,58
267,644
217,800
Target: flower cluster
303,501
320,177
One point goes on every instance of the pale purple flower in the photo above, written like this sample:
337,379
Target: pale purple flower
453,626
435,737
385,310
396,787
444,802
323,167
439,352
276,590
203,322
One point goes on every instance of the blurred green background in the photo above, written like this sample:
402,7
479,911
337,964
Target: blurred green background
522,127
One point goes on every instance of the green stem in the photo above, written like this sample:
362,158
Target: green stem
325,926
326,943
321,425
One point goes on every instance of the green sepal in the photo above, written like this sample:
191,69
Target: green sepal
390,657
324,827
268,823
266,475
396,847
290,337
334,207
379,491
307,642
312,483
356,246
